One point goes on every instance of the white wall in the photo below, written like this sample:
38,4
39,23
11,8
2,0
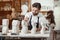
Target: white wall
44,2
47,3
57,2
57,17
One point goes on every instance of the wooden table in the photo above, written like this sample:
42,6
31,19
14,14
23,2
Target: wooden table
27,36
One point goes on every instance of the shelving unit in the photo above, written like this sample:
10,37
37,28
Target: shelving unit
6,5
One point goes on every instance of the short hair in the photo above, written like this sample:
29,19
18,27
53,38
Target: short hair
50,11
37,5
50,16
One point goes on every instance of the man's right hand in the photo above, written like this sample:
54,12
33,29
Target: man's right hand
26,19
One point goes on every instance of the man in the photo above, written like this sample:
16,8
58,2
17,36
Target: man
35,16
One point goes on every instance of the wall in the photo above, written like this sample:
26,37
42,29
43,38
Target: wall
57,14
46,4
57,17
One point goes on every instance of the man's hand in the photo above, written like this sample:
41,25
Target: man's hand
38,29
26,19
52,25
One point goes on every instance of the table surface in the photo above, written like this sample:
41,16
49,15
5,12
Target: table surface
28,35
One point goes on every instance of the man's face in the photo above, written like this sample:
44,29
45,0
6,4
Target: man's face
35,10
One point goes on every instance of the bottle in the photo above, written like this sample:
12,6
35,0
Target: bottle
33,30
24,27
5,24
15,26
43,28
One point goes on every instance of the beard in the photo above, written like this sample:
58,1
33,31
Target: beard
35,14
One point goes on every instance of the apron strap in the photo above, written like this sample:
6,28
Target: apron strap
37,23
30,26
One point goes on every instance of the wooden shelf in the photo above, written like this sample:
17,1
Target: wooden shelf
43,12
4,2
14,4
